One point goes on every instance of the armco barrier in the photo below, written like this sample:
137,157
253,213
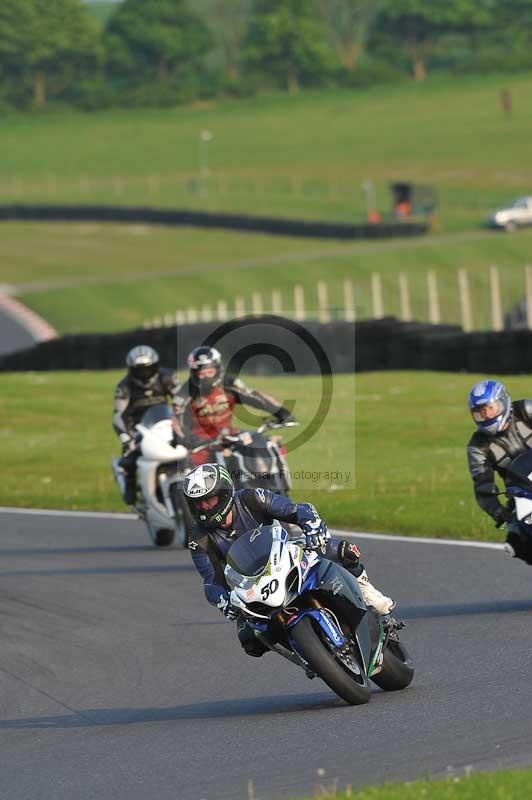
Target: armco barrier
205,219
364,346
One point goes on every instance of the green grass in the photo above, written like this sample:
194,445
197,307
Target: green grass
305,155
401,437
508,785
108,277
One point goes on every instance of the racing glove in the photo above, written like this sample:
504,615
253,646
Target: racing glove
226,607
316,533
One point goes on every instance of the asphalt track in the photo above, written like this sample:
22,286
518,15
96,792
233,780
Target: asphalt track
13,335
118,680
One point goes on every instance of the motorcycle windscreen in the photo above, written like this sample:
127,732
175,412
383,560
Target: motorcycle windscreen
250,554
155,414
519,470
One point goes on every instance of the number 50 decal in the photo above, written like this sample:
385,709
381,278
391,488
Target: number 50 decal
269,589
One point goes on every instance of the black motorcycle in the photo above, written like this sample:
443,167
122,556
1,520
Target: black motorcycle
519,491
252,458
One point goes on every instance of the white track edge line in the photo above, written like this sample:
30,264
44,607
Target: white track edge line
47,512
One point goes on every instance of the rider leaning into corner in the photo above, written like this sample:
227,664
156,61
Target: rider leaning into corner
204,404
222,515
504,431
145,384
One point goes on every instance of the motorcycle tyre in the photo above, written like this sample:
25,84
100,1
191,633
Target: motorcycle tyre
324,664
164,537
397,668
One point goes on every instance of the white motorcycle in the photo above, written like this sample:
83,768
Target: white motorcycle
161,467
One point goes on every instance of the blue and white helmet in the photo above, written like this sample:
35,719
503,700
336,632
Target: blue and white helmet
490,393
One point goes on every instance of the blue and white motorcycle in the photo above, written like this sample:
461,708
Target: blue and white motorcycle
310,611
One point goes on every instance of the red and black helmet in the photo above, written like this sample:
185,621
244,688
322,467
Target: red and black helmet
209,493
205,358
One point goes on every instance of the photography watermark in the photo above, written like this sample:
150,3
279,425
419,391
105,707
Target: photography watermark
309,423
335,476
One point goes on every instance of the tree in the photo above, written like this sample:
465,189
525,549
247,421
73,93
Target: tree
155,39
285,39
418,24
47,42
228,20
347,23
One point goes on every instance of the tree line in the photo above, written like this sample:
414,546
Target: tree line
161,52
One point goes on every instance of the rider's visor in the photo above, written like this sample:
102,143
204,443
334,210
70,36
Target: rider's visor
208,503
206,372
487,411
144,372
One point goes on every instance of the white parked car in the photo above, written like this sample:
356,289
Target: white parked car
515,215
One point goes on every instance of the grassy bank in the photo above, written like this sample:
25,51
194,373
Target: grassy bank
510,785
396,463
281,154
109,277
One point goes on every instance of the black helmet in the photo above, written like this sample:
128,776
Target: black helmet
143,365
209,493
201,358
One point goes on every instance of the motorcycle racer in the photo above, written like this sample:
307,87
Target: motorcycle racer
145,384
504,430
204,404
222,515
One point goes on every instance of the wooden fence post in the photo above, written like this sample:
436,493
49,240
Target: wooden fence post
299,302
180,318
192,315
277,303
256,303
206,314
349,301
404,298
323,302
240,307
221,310
465,301
528,295
496,307
433,299
376,296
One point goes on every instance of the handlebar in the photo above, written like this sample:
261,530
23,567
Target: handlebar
272,424
234,438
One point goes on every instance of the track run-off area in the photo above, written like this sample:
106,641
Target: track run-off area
118,680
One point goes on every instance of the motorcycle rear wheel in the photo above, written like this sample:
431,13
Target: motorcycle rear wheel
326,666
397,668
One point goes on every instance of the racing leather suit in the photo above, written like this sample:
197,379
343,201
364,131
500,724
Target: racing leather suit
203,416
130,402
251,508
487,455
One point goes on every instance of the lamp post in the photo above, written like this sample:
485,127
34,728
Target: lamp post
370,197
205,137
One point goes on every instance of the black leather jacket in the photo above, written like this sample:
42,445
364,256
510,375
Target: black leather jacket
487,455
131,400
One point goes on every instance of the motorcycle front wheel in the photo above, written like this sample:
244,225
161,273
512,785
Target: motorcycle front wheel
346,677
397,667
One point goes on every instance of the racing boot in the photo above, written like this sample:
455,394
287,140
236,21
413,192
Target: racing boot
130,490
372,597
